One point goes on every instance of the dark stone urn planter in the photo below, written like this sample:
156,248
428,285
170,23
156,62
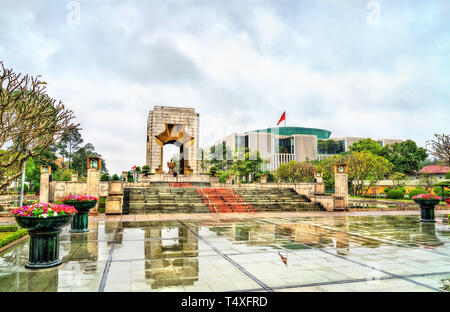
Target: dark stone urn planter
427,209
80,221
44,239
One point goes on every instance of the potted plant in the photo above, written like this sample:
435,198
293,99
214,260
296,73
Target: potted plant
43,223
427,203
83,203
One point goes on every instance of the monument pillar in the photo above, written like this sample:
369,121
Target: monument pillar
75,177
340,186
319,186
44,191
93,178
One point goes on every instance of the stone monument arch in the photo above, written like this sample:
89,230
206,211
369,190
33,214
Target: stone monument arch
173,125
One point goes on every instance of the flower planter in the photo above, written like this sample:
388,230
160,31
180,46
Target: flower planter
80,221
44,239
427,209
447,200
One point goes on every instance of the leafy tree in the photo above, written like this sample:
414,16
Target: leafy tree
368,145
104,177
249,165
220,157
406,157
427,180
79,160
68,144
31,122
63,174
115,177
327,167
398,180
130,177
295,171
329,147
440,147
365,166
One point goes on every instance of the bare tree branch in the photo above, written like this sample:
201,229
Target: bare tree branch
30,121
441,147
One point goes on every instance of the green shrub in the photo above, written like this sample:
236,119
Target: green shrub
25,188
12,237
213,171
387,189
395,194
8,228
115,177
438,192
447,175
416,191
145,168
403,189
37,188
104,177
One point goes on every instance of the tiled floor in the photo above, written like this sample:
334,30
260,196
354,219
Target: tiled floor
237,253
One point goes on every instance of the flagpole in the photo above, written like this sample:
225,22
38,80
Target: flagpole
285,118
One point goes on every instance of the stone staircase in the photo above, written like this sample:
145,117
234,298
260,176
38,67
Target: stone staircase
187,199
276,199
143,200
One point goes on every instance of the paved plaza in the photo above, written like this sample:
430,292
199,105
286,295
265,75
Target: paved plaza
311,251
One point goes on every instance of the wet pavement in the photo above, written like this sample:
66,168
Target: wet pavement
238,253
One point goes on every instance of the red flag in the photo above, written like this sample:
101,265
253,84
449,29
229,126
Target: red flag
283,117
134,167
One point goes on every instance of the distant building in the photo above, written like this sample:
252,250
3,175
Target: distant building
437,171
283,144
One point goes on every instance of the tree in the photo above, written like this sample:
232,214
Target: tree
329,147
63,174
69,144
398,180
249,165
326,165
79,160
220,157
427,181
364,166
368,145
406,157
295,171
440,148
31,121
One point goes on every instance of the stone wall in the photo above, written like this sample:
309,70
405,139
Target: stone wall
61,189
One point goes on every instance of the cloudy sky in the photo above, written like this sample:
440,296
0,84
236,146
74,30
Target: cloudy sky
377,69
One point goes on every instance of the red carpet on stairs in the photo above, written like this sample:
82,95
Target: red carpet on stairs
223,200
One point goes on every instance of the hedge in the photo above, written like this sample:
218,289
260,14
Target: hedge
8,228
12,237
395,194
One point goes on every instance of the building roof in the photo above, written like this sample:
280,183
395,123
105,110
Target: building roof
320,133
435,169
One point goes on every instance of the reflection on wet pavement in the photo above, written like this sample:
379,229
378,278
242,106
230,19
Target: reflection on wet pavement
352,253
